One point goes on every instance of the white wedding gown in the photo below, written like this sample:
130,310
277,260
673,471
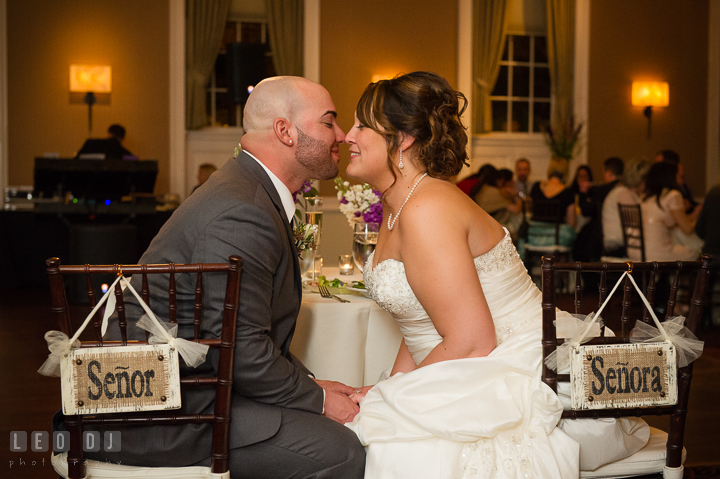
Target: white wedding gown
489,417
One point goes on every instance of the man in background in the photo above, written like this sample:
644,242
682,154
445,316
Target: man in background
522,178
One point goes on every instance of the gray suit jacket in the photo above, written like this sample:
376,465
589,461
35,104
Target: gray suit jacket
237,211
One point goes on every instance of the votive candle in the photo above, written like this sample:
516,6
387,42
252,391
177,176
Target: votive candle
346,265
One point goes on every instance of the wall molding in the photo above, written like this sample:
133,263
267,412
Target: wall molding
311,43
4,167
465,58
712,136
582,76
176,52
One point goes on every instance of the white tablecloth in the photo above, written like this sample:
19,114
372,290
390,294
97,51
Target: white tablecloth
348,342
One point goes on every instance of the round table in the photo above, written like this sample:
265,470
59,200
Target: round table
348,342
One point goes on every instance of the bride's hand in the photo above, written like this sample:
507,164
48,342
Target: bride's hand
360,393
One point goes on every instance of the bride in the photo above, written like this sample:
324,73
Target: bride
464,397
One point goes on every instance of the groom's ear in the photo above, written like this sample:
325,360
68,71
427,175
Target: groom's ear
283,129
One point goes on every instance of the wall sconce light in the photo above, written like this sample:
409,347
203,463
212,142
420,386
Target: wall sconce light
90,79
650,94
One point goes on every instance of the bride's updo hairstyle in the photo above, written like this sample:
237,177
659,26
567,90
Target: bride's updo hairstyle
425,106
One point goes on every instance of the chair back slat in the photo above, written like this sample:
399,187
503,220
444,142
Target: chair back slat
632,228
144,288
197,319
120,308
628,291
172,296
58,300
578,293
650,295
226,345
672,300
145,293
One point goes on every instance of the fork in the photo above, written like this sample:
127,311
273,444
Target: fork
325,293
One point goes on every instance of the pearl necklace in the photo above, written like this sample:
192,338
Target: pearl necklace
391,224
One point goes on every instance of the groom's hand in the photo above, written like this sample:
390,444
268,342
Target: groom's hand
338,405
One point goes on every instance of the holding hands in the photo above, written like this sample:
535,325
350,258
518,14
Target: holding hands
339,405
341,401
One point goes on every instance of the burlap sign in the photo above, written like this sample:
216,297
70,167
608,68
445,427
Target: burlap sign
120,379
623,375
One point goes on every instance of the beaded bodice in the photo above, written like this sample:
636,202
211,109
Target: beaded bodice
512,297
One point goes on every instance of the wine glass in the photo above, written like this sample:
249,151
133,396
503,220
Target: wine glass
365,236
314,214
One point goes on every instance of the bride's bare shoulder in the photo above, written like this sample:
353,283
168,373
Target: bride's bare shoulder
439,202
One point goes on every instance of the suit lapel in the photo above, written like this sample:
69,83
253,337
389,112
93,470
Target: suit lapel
251,165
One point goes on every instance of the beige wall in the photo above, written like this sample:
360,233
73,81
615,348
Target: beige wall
46,37
362,38
662,40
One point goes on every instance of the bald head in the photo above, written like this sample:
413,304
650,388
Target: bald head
277,97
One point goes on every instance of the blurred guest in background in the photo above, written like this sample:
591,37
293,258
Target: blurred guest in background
671,156
583,180
668,231
512,216
204,172
485,192
554,188
589,243
708,224
626,192
522,178
466,185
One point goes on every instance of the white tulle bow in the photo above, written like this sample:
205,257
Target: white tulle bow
687,345
576,329
60,345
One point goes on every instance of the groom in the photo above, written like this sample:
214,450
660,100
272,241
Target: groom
284,423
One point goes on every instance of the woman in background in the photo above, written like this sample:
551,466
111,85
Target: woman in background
663,213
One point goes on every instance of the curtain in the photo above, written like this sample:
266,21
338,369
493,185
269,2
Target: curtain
561,59
204,29
489,31
285,26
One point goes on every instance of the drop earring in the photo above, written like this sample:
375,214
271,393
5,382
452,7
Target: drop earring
401,165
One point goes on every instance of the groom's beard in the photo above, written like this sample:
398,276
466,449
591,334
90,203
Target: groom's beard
316,156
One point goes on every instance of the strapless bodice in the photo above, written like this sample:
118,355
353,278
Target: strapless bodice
512,297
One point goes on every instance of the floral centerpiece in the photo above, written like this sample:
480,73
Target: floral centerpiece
359,202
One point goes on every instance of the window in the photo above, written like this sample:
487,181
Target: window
520,100
221,110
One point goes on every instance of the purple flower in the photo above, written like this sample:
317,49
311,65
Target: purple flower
357,214
343,201
374,214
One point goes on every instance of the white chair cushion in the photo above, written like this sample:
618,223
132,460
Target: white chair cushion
105,470
648,460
